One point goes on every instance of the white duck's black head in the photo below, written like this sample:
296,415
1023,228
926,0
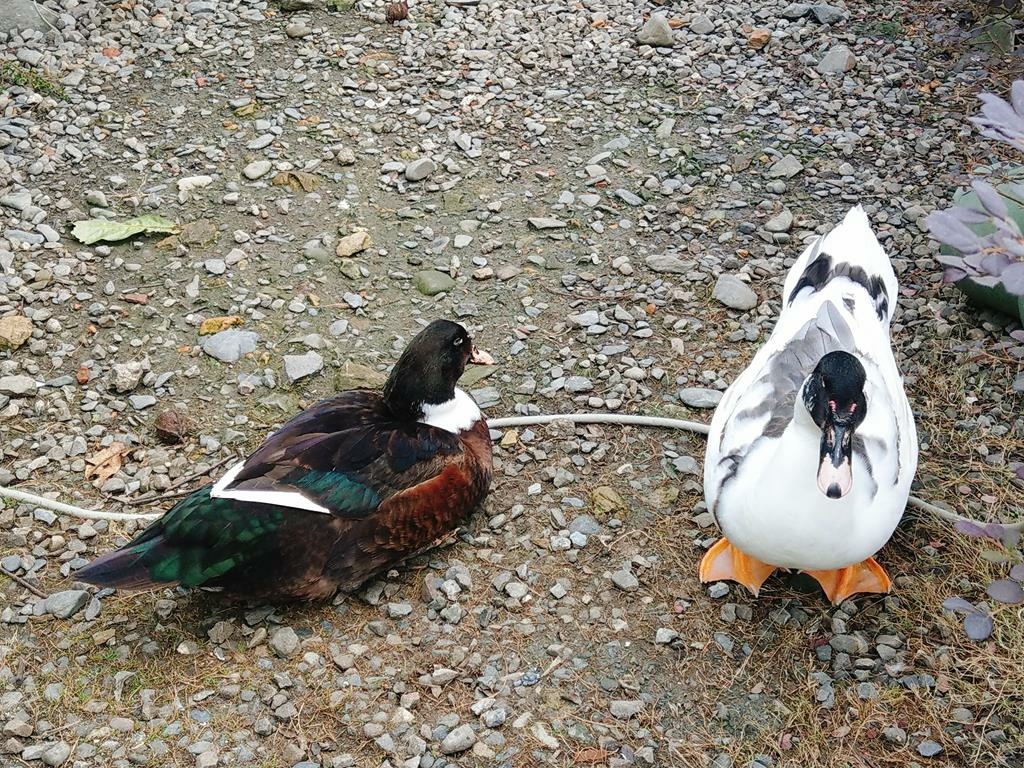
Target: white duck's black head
834,397
430,367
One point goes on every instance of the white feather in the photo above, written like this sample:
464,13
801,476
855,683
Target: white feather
292,499
458,414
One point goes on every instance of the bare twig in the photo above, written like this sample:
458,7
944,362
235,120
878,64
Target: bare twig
18,580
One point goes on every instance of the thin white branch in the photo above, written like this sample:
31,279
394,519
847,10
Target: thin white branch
68,509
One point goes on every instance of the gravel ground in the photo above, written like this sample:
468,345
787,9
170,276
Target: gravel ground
609,199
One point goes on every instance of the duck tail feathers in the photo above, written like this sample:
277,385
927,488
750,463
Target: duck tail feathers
851,260
126,568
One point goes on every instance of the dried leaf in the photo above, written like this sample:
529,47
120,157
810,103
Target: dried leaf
1006,591
978,626
94,230
297,180
172,426
592,756
217,324
104,464
247,109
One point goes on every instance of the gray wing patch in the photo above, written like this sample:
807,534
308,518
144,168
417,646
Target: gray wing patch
786,372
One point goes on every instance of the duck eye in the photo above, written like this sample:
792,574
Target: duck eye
458,342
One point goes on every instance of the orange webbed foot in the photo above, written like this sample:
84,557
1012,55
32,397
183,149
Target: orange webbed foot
723,562
841,583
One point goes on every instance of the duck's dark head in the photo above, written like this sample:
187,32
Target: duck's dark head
430,367
834,396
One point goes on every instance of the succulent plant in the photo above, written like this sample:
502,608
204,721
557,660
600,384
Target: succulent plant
984,230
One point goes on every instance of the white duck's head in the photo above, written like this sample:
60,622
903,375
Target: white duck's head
834,397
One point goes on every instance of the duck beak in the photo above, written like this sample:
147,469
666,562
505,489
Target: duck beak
835,472
479,357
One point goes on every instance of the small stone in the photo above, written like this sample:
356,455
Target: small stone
867,691
785,167
780,222
66,604
419,169
734,293
398,610
700,397
300,366
353,244
57,754
839,59
546,223
628,197
657,32
929,748
702,25
15,330
758,38
666,264
430,282
229,346
256,169
126,376
458,740
284,642
895,735
624,709
17,385
664,636
297,30
625,580
493,718
827,14
141,402
851,644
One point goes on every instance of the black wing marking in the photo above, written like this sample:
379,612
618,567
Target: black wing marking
821,270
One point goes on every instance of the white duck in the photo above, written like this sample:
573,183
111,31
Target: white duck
813,448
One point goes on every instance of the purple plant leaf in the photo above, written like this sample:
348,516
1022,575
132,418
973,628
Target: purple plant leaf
967,528
1018,335
999,114
953,275
990,198
966,215
987,281
1011,538
958,605
974,260
949,259
1006,591
1017,572
1017,96
978,626
995,530
1013,278
946,229
995,263
1020,472
1014,246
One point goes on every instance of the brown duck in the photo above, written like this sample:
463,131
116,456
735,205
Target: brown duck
343,491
